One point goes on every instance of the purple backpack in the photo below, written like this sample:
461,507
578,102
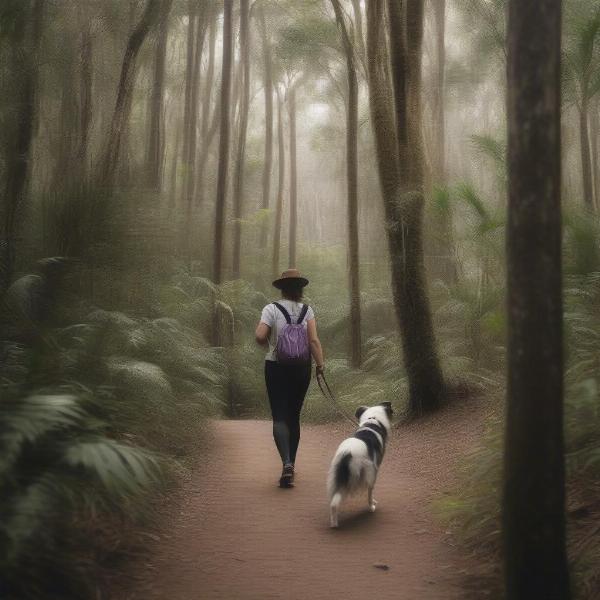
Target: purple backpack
292,344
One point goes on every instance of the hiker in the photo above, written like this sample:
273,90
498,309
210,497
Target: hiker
289,329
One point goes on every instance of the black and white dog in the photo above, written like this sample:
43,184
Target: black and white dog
357,459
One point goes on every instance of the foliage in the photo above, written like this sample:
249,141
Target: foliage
93,412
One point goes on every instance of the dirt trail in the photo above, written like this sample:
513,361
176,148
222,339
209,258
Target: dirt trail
237,536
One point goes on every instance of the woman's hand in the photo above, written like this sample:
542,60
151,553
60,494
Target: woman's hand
315,344
319,370
263,331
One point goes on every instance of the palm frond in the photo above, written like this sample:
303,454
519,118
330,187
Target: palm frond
123,470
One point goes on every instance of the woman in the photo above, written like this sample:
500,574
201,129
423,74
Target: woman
287,383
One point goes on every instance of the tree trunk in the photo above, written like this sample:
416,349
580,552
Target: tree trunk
174,167
534,479
85,101
586,166
439,8
359,33
65,147
280,190
268,89
188,109
443,264
352,188
400,174
293,179
210,74
207,131
156,145
595,133
125,91
190,170
238,182
204,155
225,103
24,72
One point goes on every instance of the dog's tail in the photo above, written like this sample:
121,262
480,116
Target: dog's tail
343,475
342,472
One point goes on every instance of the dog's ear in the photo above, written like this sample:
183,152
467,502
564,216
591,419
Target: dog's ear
359,411
388,408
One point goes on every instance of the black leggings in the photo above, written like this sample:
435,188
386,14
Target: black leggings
286,386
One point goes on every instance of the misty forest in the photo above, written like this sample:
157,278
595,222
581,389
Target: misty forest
431,166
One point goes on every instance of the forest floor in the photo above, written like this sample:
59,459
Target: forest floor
233,534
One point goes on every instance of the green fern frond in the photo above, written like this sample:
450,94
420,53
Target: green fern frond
31,418
123,470
491,147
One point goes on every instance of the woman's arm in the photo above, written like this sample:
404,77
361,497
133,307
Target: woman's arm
263,331
315,345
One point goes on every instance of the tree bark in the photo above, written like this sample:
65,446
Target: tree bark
225,103
190,170
443,265
24,71
352,188
280,190
586,166
238,182
125,91
439,9
268,90
174,167
210,74
85,100
359,33
293,179
595,133
534,495
187,101
400,174
207,130
156,145
65,147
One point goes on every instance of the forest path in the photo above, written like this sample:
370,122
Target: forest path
236,535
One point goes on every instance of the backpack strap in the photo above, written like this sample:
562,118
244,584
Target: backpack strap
284,312
303,313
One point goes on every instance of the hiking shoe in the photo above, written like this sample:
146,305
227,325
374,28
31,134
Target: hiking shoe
287,476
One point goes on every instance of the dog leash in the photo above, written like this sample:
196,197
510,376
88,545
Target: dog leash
326,391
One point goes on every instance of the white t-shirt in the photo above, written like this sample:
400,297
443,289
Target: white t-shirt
274,318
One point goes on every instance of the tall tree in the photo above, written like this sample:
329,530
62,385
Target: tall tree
68,125
209,124
268,91
401,179
156,144
195,44
275,271
238,181
352,186
293,231
24,56
210,72
85,99
122,108
190,61
443,265
534,493
223,167
190,170
595,142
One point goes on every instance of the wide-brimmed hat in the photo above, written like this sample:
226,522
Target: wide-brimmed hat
290,276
